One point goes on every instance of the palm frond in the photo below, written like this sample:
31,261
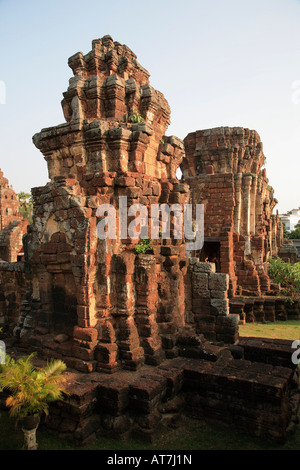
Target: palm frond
54,368
31,390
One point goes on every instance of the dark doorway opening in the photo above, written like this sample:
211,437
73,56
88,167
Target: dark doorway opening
211,253
64,303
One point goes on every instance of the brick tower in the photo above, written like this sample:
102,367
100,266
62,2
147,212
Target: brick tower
12,224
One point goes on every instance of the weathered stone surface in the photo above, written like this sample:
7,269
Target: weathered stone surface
12,294
238,392
224,168
218,282
221,307
200,281
205,267
108,299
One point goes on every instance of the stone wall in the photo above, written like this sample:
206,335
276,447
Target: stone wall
252,393
254,397
11,244
288,252
210,303
264,309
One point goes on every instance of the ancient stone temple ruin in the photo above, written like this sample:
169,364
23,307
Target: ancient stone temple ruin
12,224
224,169
99,292
145,328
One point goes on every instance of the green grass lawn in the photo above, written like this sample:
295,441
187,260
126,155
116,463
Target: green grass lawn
280,329
189,435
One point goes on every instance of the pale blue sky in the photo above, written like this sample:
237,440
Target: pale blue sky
218,63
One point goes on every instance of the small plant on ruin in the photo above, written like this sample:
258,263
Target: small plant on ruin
136,117
287,276
30,390
143,247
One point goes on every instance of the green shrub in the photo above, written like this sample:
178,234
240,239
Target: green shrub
287,276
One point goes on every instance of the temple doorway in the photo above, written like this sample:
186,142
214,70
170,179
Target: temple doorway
210,253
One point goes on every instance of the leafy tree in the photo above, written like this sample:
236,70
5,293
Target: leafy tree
287,276
285,232
294,234
25,205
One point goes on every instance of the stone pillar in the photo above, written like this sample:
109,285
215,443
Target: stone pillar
247,179
146,308
253,205
131,353
259,203
238,202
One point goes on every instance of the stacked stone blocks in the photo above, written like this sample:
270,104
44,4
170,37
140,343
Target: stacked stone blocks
210,303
